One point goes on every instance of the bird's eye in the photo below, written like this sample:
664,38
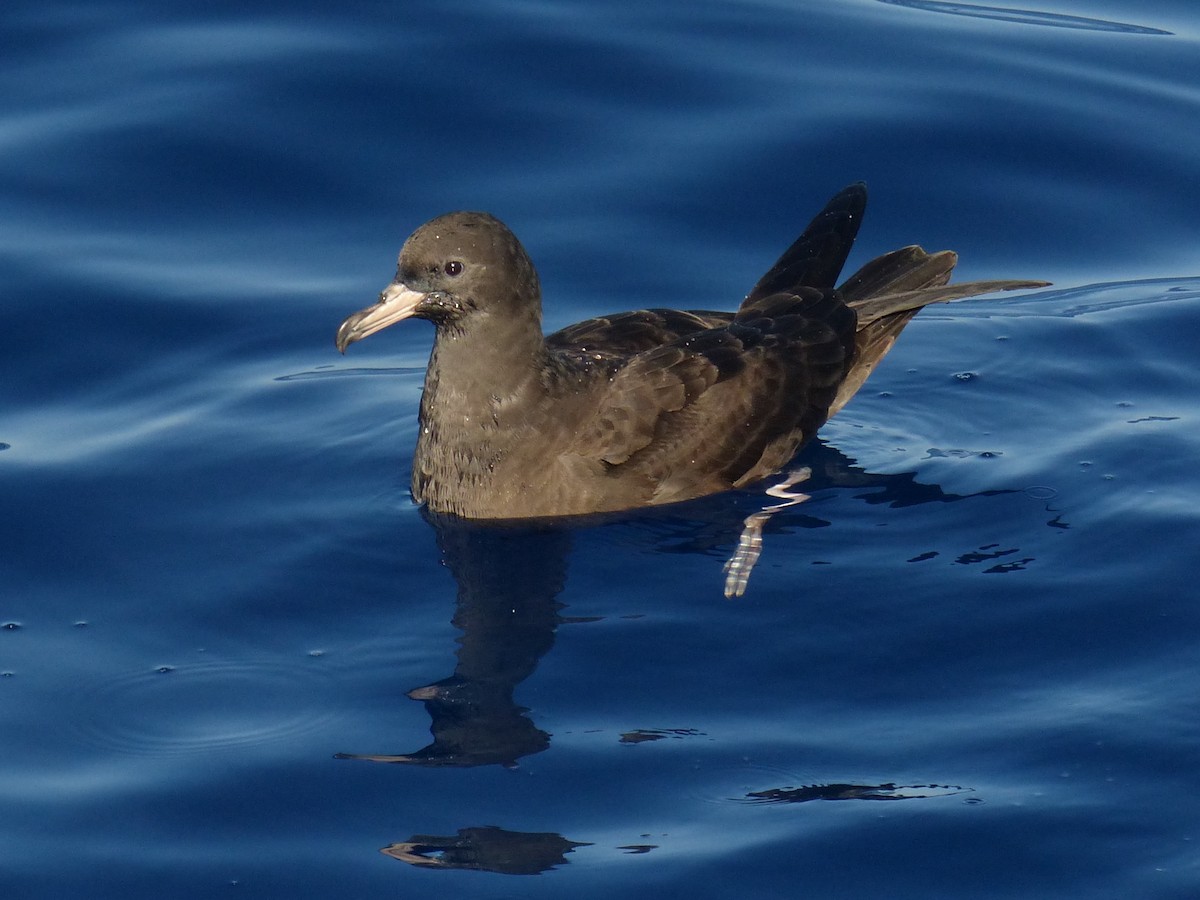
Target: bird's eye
453,268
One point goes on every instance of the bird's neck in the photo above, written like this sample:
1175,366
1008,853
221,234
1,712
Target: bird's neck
474,375
481,388
494,358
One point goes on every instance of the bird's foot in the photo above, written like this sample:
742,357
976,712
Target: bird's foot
749,548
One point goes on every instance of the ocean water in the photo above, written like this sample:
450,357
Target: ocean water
237,661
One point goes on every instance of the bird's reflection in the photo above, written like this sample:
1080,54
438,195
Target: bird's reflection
487,849
509,578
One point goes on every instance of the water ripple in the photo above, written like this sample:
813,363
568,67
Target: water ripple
203,707
1024,16
354,372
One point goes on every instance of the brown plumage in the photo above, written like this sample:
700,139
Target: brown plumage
638,408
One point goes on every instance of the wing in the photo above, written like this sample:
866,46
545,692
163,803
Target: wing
814,260
726,405
626,334
817,256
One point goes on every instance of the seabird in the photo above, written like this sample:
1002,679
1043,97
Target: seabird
637,408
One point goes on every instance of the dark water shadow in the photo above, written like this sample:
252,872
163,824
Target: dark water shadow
707,526
854,792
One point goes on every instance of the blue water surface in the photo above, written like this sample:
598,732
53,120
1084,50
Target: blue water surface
238,661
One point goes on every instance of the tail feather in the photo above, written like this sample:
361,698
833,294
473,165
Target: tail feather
907,269
887,292
872,309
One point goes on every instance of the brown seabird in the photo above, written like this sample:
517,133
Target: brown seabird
637,408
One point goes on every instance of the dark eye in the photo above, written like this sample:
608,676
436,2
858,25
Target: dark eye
453,268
